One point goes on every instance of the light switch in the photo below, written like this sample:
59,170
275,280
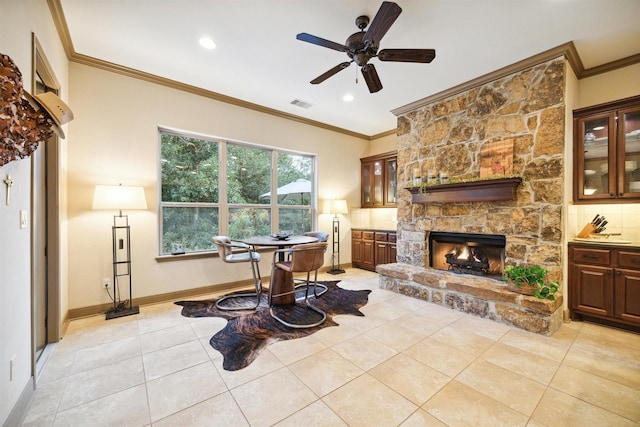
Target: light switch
23,219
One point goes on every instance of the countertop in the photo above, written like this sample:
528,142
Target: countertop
607,243
382,230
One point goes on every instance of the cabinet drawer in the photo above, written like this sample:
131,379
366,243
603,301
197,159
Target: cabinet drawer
591,256
381,237
392,237
368,235
629,259
356,234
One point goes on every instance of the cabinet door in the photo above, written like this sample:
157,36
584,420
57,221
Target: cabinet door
629,153
595,159
591,290
391,253
627,295
391,183
368,254
356,251
381,253
367,184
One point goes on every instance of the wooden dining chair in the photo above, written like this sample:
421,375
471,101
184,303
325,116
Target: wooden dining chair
235,252
306,258
319,289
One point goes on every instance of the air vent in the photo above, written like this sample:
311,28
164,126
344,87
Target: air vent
300,103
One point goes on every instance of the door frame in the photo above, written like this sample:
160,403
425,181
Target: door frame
42,67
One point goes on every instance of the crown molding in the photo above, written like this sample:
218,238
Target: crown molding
568,50
611,66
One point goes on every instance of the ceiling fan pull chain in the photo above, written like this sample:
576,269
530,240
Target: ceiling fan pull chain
356,75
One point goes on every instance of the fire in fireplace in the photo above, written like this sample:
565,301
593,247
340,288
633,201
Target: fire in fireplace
467,253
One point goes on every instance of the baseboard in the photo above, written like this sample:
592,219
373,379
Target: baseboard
93,310
19,411
77,313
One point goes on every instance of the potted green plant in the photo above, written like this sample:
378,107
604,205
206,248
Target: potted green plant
530,280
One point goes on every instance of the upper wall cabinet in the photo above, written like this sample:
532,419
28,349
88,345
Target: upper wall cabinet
607,152
379,180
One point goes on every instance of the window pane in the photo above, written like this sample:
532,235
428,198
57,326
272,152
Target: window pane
294,179
248,175
296,220
189,169
191,227
249,222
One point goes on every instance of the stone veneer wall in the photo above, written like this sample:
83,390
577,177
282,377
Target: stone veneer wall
528,107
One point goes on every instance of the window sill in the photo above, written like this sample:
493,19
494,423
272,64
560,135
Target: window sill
182,257
199,255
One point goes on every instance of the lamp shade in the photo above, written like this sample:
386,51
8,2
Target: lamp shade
336,206
119,197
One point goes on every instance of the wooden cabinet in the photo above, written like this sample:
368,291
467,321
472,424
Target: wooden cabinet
604,283
607,152
363,249
370,248
379,180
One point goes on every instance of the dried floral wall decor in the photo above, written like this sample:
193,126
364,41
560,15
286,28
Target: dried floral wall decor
22,128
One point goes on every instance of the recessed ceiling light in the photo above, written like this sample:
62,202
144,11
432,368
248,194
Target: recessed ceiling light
207,43
347,98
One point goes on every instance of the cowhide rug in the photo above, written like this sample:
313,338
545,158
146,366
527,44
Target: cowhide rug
248,332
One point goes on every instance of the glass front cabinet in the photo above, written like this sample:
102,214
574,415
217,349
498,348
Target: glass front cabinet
607,152
378,180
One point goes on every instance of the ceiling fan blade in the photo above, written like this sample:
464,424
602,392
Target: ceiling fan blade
371,77
321,42
407,55
330,73
386,16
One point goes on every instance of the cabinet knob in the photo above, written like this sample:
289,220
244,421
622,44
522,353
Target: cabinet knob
608,272
612,194
620,194
618,273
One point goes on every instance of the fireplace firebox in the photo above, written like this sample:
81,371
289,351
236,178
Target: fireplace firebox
467,253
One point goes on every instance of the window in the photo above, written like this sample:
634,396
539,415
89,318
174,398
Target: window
265,191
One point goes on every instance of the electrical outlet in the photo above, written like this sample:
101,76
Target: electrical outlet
105,282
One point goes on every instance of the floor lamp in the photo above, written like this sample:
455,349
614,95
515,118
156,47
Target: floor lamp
336,207
118,198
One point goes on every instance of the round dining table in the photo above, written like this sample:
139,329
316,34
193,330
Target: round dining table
281,281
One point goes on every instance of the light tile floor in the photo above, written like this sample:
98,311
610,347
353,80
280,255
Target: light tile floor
406,363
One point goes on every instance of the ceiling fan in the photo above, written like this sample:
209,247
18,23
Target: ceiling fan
362,46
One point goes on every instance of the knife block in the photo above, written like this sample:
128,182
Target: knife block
586,231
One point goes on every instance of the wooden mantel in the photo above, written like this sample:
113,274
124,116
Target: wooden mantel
476,191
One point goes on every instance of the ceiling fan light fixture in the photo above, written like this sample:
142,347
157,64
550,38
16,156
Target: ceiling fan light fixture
207,43
348,97
362,46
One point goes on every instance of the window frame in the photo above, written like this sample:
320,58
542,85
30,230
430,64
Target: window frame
222,204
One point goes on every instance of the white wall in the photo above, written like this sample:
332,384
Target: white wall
18,19
610,86
114,139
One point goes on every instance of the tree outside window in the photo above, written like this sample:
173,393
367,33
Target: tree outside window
191,205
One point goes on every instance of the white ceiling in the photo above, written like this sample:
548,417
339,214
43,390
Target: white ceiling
259,60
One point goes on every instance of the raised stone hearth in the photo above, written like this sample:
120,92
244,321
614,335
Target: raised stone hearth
480,296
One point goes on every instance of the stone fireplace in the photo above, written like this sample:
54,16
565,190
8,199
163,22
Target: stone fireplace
447,135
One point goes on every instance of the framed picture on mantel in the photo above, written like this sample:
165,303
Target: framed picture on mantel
496,158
